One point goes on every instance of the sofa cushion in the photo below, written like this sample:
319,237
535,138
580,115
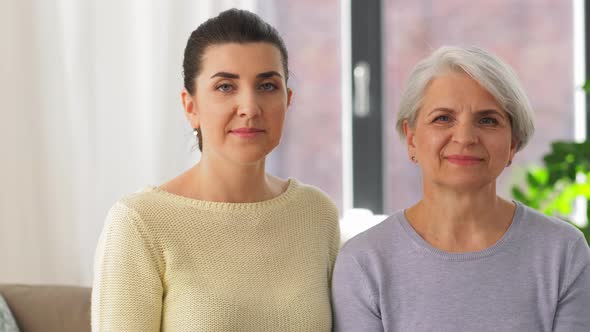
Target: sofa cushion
7,323
49,308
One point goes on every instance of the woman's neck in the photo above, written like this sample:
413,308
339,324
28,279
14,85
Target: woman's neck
227,182
461,221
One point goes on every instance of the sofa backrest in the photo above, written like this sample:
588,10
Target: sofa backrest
49,308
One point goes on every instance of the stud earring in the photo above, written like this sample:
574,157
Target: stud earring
414,160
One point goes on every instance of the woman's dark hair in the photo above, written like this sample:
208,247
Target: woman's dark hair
230,26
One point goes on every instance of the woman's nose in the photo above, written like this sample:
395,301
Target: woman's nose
465,133
248,105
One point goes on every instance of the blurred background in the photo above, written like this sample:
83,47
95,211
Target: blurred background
90,104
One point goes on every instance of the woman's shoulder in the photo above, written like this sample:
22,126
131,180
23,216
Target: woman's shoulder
310,196
311,191
137,207
547,228
309,205
381,237
145,197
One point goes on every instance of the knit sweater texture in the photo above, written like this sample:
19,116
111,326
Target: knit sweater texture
536,278
171,263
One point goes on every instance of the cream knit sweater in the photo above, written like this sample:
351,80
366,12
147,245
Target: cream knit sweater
166,262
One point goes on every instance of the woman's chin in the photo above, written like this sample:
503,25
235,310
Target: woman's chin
466,184
248,157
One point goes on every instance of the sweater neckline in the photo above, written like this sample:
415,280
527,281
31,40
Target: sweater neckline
463,256
292,187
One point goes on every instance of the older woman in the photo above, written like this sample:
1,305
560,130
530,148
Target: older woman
463,258
225,246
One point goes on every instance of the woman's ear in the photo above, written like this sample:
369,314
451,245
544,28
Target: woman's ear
410,134
514,144
190,108
289,96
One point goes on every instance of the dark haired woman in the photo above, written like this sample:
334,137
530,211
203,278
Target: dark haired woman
224,246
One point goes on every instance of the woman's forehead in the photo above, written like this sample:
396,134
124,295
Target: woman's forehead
242,58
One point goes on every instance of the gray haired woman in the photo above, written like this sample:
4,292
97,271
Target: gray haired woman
463,258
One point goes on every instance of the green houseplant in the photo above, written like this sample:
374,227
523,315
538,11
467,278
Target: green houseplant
553,188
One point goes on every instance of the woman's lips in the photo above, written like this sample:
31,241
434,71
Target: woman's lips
464,160
247,132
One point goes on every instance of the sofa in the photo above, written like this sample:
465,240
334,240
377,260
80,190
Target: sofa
49,308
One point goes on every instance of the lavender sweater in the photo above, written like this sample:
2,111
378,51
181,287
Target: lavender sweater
535,278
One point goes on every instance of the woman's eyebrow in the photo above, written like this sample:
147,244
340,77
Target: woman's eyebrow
269,74
225,75
486,112
266,74
441,109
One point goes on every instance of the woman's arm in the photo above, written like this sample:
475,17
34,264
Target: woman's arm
573,309
334,245
354,302
127,290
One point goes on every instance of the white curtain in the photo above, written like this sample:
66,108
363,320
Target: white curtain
89,98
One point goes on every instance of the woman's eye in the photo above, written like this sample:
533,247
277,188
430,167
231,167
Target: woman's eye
442,118
224,87
267,87
488,121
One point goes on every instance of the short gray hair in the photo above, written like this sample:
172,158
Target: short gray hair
485,68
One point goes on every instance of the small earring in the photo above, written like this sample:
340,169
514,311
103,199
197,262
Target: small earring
414,160
196,132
